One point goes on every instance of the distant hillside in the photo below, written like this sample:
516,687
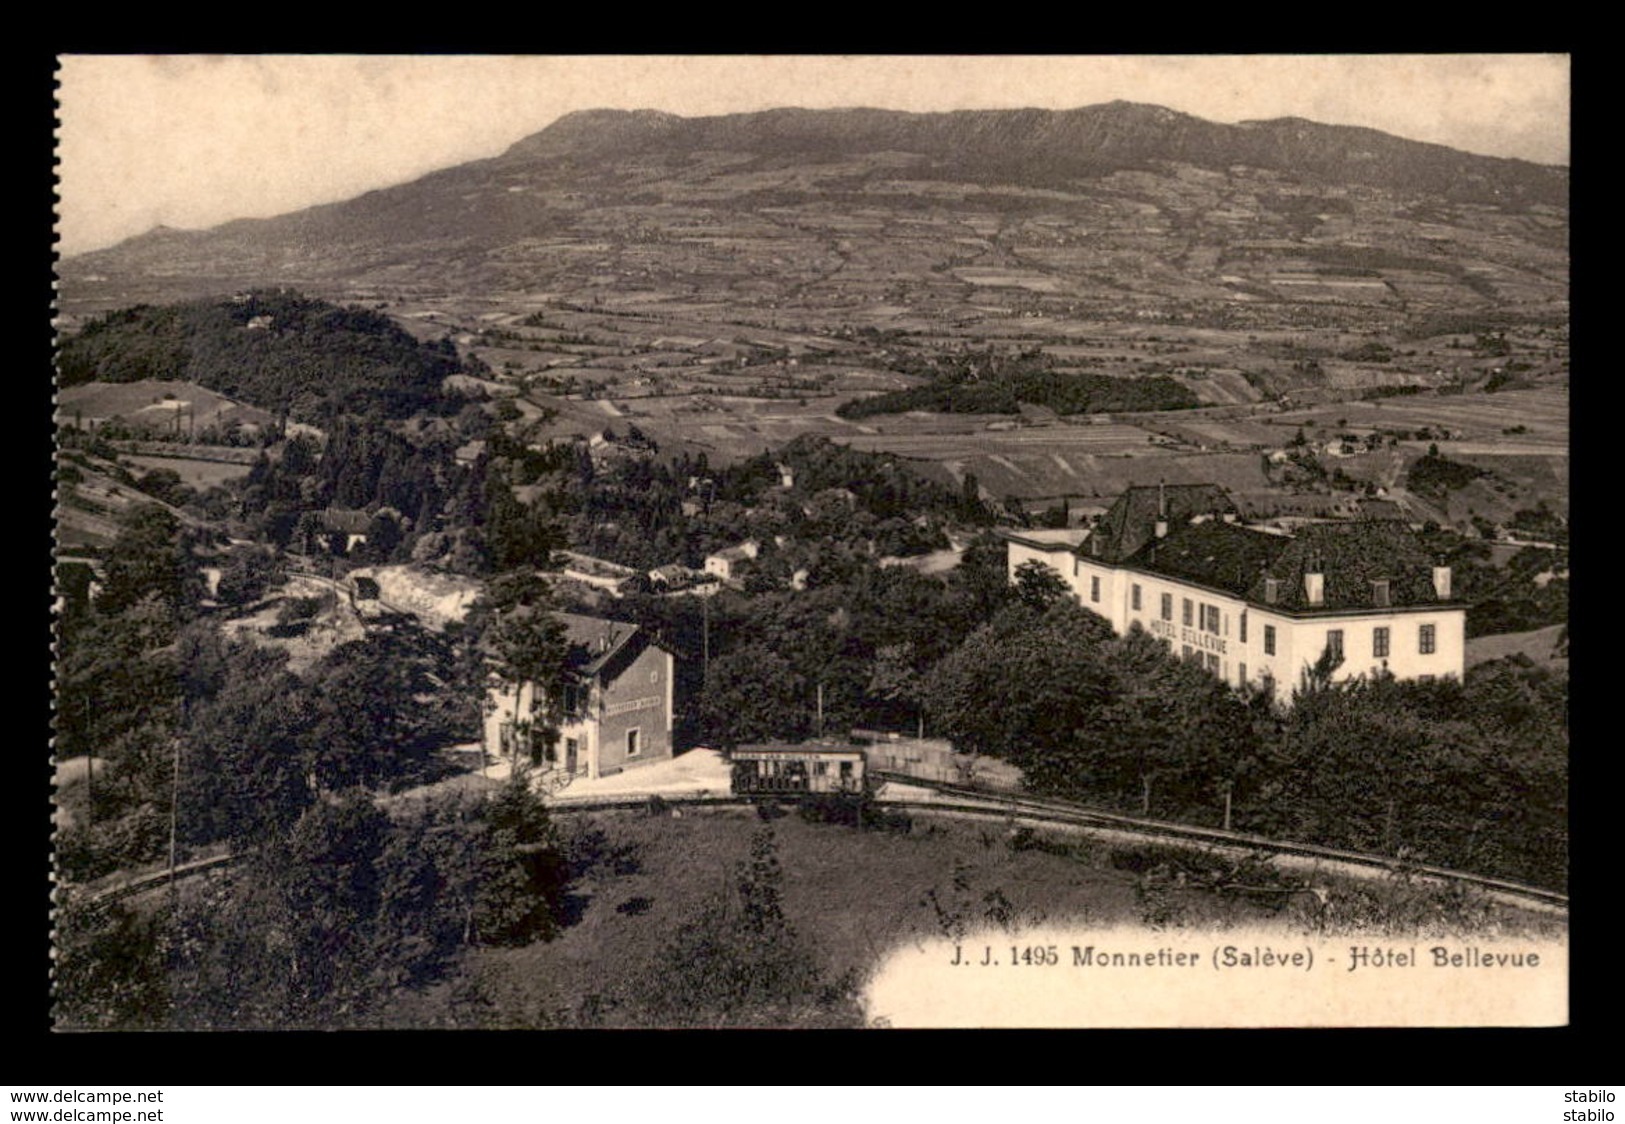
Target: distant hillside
273,349
605,182
1044,147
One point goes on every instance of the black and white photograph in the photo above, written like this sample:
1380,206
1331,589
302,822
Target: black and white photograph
810,542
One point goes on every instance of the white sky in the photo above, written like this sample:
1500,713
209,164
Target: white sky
195,140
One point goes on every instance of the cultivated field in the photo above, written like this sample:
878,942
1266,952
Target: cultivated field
160,404
199,474
1539,645
1480,419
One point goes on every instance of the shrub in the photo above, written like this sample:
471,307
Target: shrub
837,808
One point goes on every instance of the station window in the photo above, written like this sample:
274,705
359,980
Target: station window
1334,642
1094,588
1379,643
1134,596
1269,640
1427,639
1167,606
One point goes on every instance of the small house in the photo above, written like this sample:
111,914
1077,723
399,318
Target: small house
725,564
614,711
349,523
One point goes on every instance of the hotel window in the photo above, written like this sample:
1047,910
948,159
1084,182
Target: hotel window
1185,652
1074,567
1241,675
1243,624
1213,663
1269,640
632,742
1094,588
1210,618
1134,596
1167,606
1428,639
1379,643
1334,643
1187,612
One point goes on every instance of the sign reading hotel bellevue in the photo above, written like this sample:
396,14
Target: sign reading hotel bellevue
1189,636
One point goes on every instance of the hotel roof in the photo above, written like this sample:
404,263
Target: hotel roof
1131,522
1203,548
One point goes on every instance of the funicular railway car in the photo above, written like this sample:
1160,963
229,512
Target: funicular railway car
787,771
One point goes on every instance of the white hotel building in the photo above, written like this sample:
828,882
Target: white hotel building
1253,604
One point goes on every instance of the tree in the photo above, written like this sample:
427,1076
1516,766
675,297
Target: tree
1019,687
754,694
741,963
245,756
522,870
524,642
980,584
249,571
370,720
1038,586
333,893
151,556
383,535
895,680
108,971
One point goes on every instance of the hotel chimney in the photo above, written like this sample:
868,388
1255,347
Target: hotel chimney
1314,581
1162,511
1441,582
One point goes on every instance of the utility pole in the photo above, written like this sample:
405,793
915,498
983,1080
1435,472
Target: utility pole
174,806
90,769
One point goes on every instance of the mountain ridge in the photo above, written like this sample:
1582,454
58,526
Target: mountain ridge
486,224
600,131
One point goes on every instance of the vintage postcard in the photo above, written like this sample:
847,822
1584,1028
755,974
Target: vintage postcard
811,541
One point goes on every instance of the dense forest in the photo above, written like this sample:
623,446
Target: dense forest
271,348
987,382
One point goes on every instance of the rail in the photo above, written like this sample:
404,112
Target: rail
969,803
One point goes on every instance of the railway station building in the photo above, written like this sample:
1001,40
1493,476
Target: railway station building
1252,604
616,710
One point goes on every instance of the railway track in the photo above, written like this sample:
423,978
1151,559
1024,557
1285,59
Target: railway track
1037,812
